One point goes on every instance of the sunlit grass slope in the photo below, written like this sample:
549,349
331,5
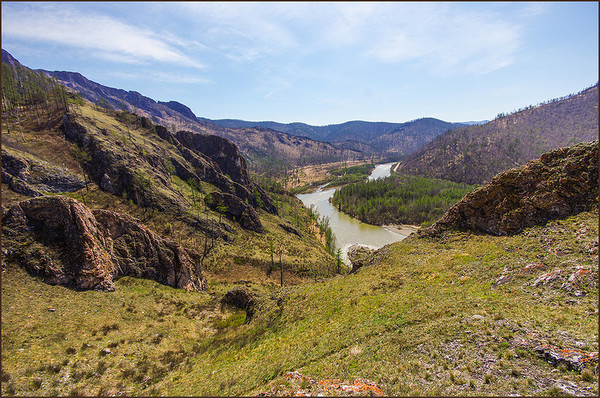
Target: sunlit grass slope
426,318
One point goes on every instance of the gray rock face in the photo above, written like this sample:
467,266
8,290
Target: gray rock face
65,243
230,162
31,178
561,183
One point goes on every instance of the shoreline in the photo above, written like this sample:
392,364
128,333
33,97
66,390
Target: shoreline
402,229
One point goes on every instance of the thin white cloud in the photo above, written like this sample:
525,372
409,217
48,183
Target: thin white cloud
443,37
164,77
106,36
446,40
242,32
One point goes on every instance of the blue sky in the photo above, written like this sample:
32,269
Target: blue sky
318,63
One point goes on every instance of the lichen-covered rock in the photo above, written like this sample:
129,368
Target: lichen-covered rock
64,242
575,360
301,385
561,183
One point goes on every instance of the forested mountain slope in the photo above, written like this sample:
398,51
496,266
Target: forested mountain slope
475,154
392,140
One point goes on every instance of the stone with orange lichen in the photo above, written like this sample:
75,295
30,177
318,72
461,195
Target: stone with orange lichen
573,359
305,386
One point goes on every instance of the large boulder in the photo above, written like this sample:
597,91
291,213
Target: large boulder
64,242
561,183
139,252
239,297
359,257
59,240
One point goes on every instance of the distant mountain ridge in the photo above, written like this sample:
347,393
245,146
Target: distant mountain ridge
356,130
475,154
344,141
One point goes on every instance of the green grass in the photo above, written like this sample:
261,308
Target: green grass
423,321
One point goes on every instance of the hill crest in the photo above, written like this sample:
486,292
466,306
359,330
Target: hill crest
475,154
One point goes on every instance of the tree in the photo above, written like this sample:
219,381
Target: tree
272,251
338,258
221,210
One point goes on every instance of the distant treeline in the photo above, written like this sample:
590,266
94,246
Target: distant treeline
550,101
400,199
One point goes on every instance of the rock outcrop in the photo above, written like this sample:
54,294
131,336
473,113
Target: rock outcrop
561,183
230,162
65,243
30,177
359,257
239,297
235,209
143,174
575,360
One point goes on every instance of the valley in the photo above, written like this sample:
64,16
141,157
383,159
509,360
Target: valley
349,231
150,252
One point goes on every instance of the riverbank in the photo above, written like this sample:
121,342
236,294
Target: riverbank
402,229
350,231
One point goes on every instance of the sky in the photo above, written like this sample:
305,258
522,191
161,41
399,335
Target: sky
315,62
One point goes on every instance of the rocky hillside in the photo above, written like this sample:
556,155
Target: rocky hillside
560,183
137,200
475,154
270,149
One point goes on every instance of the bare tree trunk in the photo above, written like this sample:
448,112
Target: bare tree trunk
19,122
281,266
5,114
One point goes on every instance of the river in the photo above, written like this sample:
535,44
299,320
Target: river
349,231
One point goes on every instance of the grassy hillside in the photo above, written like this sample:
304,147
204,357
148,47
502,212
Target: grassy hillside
475,154
458,316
